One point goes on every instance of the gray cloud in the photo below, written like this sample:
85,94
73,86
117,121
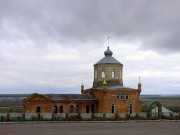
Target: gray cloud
155,23
54,44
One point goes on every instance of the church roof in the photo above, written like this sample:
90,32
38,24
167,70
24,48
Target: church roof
70,97
120,88
116,88
108,59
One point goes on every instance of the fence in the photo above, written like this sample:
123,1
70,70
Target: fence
79,116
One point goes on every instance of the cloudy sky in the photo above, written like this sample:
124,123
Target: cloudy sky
50,46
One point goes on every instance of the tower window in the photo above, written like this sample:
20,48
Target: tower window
120,74
103,73
95,74
113,73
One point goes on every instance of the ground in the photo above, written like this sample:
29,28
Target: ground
92,128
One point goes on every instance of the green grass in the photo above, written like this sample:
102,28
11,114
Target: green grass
171,104
14,109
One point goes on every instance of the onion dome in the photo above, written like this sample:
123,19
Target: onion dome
108,52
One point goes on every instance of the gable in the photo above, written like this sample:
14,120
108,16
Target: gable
37,98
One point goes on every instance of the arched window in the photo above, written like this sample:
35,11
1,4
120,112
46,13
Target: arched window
38,109
122,96
113,73
127,96
112,108
61,109
118,96
71,109
55,109
103,73
131,109
87,108
95,74
77,108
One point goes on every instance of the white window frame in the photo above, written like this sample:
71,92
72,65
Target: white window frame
127,96
118,96
131,105
122,96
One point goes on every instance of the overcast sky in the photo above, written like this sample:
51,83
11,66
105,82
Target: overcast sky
50,46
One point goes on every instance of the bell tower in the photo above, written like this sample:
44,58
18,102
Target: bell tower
108,69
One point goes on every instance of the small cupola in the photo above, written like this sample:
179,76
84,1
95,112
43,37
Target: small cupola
108,52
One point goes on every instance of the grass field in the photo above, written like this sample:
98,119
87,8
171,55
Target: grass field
13,109
171,102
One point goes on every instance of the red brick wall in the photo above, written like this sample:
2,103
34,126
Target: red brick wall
47,106
108,97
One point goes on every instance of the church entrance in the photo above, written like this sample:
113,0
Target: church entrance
38,109
112,108
131,108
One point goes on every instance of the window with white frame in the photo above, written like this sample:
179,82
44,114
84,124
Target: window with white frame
127,96
131,109
118,96
122,96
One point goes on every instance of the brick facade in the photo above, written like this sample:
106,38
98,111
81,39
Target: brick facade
108,95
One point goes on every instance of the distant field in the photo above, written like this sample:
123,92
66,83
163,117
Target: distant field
14,109
14,102
171,102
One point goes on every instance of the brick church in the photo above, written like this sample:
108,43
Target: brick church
108,95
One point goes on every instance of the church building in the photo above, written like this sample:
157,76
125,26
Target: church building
107,95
